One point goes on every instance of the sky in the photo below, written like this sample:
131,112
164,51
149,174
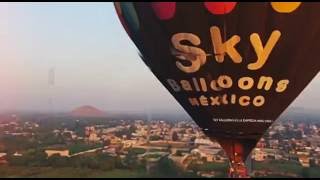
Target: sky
94,60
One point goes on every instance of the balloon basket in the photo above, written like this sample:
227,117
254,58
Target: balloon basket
238,151
238,170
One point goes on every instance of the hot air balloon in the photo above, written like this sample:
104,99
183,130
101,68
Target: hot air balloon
234,67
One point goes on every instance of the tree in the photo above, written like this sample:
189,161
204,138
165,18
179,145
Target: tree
106,162
175,136
168,168
305,172
118,162
93,163
131,130
12,144
106,142
154,138
39,158
131,159
192,140
18,161
58,161
33,157
179,153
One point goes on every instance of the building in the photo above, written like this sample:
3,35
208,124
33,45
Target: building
205,174
63,153
259,155
89,130
93,137
211,155
129,143
304,161
110,150
201,141
3,159
17,154
3,154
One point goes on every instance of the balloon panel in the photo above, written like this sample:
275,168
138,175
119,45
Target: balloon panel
234,67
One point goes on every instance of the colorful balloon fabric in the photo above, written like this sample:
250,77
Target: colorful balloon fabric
233,66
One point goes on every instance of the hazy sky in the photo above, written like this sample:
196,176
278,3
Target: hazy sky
95,62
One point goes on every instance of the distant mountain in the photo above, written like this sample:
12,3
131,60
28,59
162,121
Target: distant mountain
300,114
87,111
8,117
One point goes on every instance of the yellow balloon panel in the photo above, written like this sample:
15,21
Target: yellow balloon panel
285,7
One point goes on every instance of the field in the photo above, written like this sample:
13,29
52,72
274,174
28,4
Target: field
17,172
280,167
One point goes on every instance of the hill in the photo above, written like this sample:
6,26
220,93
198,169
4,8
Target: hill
87,111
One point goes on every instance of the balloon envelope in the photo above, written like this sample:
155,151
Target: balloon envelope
234,67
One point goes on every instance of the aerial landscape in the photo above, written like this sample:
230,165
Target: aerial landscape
159,90
89,142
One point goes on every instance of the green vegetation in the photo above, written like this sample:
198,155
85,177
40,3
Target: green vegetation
158,150
219,168
154,138
32,157
138,150
80,146
209,166
274,165
97,161
130,160
69,172
168,169
311,172
153,156
16,143
126,132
